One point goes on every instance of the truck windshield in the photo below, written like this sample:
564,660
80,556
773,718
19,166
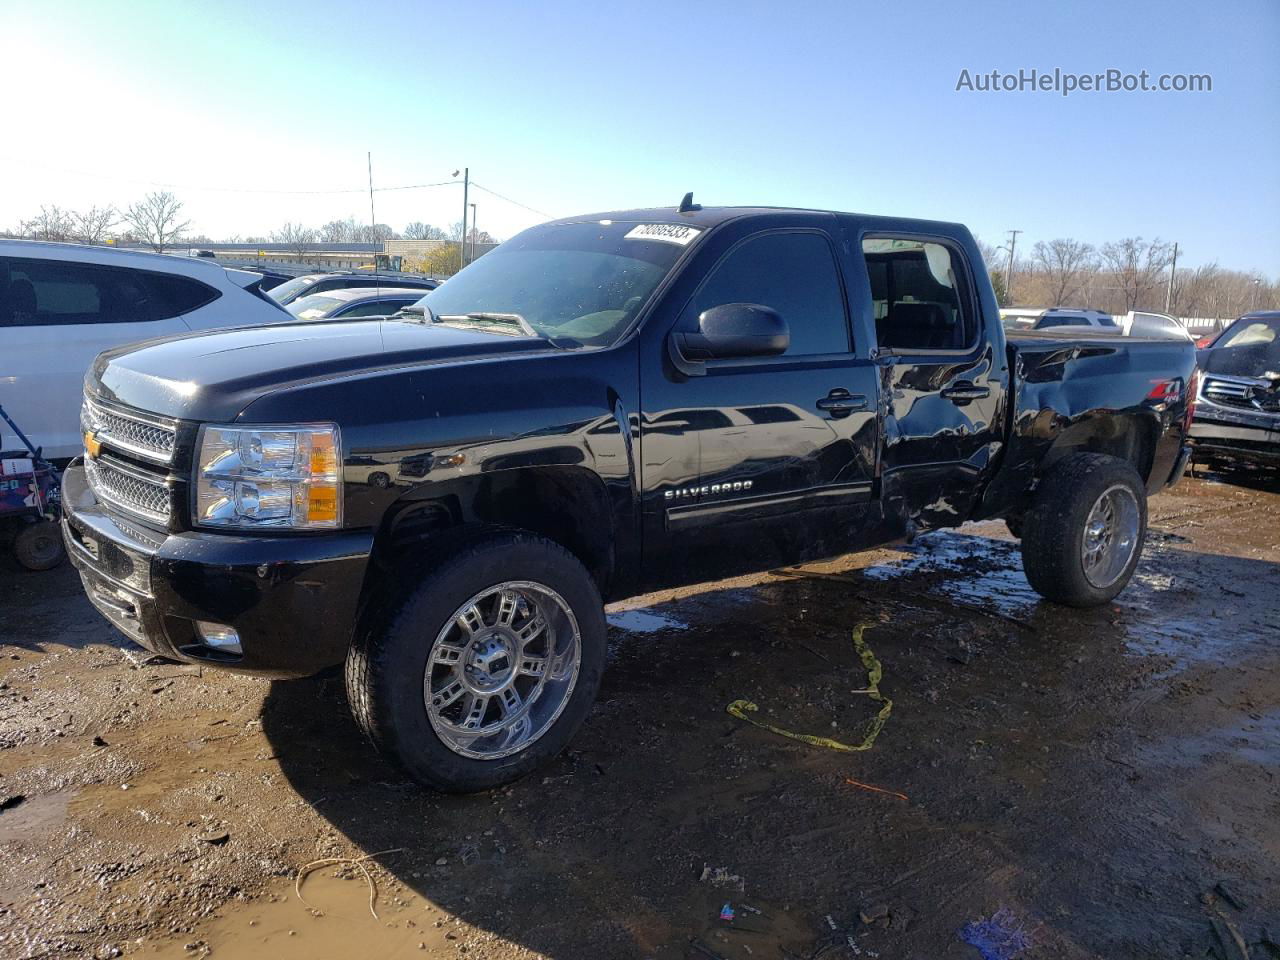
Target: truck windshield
577,283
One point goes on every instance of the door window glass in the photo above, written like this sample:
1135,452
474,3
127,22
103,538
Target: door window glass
792,273
916,295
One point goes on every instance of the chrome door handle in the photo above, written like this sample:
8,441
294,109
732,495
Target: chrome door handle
841,403
965,392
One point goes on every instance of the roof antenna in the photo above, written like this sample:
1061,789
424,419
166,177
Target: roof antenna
687,205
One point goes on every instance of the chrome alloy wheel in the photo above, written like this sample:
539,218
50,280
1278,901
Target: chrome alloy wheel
1110,536
502,670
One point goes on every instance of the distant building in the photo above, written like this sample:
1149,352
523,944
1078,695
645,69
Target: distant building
327,256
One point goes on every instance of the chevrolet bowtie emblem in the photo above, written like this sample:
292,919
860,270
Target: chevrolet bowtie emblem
92,446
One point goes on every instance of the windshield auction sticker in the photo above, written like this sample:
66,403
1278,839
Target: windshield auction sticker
676,233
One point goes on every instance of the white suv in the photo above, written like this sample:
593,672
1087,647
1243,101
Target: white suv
62,304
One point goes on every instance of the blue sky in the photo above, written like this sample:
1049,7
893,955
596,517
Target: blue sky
571,107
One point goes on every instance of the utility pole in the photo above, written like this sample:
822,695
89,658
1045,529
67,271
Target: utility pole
1173,270
475,234
1008,270
462,241
373,219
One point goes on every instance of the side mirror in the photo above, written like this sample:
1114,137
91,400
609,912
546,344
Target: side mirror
730,331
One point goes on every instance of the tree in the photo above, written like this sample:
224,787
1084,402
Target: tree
296,237
442,260
1138,267
1064,263
997,284
423,231
340,231
92,225
156,220
378,233
51,223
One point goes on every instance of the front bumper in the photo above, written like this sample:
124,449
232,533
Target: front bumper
1235,435
292,599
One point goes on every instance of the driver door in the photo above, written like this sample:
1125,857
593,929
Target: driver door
767,460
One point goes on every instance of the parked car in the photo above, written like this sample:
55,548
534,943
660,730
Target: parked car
63,304
360,302
1238,416
599,407
1070,317
1139,323
310,283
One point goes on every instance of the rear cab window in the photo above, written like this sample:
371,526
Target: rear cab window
919,296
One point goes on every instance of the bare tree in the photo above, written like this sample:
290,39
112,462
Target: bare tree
51,223
91,226
423,231
1064,263
1137,267
378,233
157,221
296,237
340,231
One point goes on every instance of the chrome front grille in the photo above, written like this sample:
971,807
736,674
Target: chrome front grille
129,490
143,435
1232,391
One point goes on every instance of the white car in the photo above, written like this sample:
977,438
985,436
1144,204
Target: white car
62,304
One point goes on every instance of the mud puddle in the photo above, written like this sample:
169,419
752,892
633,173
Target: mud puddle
333,924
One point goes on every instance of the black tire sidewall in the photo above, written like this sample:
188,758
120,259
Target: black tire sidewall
1055,528
403,646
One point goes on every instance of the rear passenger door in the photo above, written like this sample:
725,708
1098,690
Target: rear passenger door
56,316
765,460
942,382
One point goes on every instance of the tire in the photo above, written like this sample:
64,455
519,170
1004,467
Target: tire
419,643
39,546
1065,559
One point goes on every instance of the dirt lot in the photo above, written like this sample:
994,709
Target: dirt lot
1107,778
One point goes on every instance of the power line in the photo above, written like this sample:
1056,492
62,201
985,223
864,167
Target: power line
261,191
541,213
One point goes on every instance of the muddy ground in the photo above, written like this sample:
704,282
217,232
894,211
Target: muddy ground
1110,779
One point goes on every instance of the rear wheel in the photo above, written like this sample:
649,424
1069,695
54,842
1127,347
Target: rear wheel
1083,536
486,668
39,546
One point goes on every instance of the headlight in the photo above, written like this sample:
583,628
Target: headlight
251,477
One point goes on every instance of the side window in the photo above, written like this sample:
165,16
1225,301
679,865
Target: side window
917,295
175,296
59,292
794,274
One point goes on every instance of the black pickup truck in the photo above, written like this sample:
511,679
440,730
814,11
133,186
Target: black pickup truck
601,406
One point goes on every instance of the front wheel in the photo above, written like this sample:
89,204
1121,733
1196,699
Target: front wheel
486,668
1083,536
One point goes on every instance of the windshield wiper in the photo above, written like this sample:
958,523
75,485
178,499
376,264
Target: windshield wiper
508,319
419,312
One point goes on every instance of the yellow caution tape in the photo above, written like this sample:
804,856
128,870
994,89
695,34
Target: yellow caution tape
742,709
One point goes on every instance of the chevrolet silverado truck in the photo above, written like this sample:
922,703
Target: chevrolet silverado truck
603,405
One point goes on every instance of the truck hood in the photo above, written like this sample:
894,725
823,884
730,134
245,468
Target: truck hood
214,376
